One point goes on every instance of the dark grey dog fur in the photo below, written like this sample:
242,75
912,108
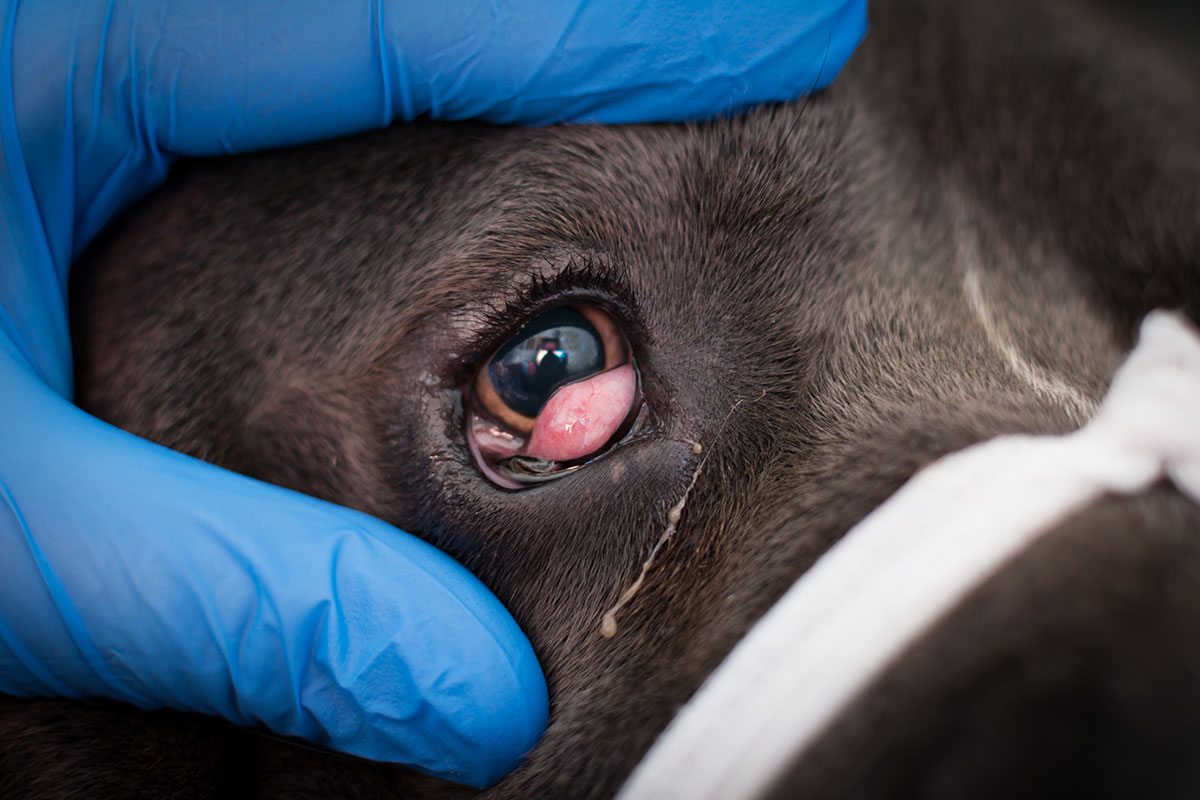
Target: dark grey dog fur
795,288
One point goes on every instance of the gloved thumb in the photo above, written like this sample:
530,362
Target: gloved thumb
137,573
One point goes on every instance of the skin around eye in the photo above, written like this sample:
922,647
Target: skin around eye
567,389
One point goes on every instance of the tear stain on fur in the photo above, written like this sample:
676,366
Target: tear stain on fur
608,622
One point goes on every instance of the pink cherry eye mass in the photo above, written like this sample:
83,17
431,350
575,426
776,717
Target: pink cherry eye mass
580,417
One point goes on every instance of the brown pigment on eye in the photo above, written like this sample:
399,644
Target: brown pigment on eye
608,622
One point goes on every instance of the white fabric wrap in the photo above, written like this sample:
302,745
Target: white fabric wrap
913,560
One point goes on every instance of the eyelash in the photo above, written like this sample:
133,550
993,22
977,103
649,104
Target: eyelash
578,281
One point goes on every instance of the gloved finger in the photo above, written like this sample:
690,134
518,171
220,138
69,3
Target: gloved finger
136,573
140,80
536,63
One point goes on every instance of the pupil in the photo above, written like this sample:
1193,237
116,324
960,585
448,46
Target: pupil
557,348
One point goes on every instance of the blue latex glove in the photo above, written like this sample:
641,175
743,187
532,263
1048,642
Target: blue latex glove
136,573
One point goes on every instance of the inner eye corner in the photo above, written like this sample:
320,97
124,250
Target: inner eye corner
558,394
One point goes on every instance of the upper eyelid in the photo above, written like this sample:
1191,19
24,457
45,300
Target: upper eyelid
474,319
551,277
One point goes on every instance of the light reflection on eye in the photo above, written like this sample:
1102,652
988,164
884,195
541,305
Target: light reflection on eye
557,395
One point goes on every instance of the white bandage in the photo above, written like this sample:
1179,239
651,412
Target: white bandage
913,560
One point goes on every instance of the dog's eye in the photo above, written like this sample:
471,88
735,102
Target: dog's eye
557,348
557,395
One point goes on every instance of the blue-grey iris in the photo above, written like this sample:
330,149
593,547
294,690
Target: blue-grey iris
556,348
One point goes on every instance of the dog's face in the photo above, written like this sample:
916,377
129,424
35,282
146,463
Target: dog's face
817,300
